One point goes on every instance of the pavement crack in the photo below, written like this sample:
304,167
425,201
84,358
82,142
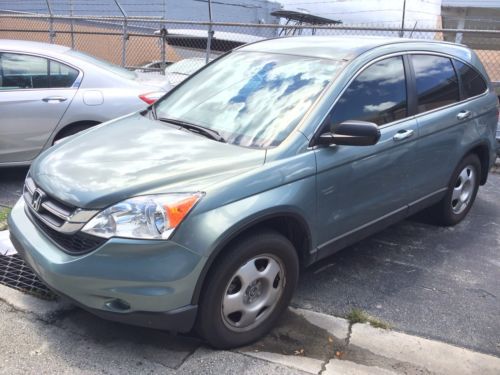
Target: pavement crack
323,366
349,333
188,356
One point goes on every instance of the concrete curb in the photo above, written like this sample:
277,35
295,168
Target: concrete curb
430,355
496,167
376,351
6,247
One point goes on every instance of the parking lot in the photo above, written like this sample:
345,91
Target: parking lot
434,282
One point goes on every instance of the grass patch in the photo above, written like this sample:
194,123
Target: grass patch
4,212
359,316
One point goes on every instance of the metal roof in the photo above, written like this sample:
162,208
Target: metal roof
304,17
335,47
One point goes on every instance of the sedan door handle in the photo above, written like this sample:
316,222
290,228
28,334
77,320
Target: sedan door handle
403,134
463,115
54,99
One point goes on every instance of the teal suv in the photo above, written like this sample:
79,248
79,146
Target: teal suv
199,211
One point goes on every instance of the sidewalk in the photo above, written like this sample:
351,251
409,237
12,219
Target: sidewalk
49,337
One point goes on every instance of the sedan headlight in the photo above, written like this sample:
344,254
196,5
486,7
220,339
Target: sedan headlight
144,217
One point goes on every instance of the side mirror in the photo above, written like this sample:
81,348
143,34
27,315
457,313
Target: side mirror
352,133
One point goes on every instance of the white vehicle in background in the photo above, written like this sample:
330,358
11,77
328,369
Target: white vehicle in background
153,67
48,92
180,70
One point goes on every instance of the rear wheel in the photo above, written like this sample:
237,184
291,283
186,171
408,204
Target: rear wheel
248,290
461,192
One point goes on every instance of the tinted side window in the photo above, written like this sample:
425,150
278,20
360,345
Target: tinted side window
23,72
472,82
437,83
62,75
378,94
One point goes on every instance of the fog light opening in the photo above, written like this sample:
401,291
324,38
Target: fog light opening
117,305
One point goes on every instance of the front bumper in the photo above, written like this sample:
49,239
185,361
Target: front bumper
142,282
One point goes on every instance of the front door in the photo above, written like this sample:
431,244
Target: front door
359,187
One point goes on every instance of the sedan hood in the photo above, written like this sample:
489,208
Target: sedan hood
136,155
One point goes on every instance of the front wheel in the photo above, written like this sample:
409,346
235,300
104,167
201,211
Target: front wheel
247,290
461,192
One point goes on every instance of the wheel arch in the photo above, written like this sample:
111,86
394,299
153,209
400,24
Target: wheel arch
482,151
291,225
74,125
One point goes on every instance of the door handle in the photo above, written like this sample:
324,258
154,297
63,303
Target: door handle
403,134
53,99
463,115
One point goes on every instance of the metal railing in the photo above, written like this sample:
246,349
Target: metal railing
132,41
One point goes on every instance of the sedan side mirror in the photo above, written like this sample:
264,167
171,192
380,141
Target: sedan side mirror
352,133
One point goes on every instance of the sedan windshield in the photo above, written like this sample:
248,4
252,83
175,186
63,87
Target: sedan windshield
251,99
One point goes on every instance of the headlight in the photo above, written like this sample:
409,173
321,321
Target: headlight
145,217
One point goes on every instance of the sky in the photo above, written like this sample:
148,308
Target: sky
371,12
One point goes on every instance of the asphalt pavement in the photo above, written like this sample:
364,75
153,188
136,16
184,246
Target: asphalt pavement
434,282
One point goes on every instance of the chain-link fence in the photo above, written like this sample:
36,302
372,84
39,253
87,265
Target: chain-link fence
152,43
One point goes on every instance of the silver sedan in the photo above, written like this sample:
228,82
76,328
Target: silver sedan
48,92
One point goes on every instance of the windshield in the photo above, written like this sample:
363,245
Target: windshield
251,99
185,67
122,72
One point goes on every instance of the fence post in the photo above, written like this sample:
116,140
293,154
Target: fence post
163,40
72,25
124,43
51,23
402,32
124,33
210,32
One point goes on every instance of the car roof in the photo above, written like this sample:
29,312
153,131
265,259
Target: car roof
335,47
34,47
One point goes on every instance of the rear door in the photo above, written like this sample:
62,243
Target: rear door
360,188
444,121
34,94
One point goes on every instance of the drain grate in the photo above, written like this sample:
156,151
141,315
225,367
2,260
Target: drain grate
16,274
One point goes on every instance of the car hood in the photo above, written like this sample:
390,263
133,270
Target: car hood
135,155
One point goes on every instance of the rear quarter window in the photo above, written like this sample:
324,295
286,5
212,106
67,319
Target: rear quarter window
473,83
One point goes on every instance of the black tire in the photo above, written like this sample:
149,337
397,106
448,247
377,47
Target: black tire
212,324
443,212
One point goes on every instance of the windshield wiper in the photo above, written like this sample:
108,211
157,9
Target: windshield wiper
207,132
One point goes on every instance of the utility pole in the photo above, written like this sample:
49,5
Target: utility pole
401,33
210,32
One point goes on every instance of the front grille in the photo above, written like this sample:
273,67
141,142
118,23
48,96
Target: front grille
16,274
60,222
74,244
